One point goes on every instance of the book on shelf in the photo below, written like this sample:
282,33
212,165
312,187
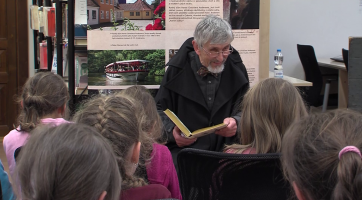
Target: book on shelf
34,17
40,19
64,58
65,20
195,134
80,31
49,21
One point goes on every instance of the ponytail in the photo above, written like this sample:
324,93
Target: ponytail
349,177
322,155
42,95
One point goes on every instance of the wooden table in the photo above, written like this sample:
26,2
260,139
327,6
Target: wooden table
296,82
342,79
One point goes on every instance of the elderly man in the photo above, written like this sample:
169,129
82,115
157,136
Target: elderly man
203,86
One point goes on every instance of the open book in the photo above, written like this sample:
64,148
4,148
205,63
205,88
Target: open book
186,132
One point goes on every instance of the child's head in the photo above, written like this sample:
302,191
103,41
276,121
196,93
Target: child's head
117,118
311,162
69,161
44,96
152,123
267,110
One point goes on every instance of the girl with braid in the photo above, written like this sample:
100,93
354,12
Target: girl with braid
322,156
118,119
156,163
43,101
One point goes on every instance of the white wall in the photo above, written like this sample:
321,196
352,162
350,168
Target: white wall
324,24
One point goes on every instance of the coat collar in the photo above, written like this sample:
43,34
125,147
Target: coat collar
184,83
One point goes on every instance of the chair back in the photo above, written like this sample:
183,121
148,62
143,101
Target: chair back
16,152
345,57
312,74
214,175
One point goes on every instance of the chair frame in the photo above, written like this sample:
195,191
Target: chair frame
205,187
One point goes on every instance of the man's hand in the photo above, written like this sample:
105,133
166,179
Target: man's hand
230,130
180,140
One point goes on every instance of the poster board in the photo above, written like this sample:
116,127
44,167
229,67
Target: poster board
121,46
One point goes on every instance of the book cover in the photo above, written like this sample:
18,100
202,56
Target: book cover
51,22
45,20
195,134
34,16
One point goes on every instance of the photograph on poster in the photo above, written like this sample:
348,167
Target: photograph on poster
122,16
126,67
181,18
242,14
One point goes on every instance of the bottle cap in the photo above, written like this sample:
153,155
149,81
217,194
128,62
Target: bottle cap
279,50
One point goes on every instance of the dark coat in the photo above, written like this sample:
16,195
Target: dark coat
180,92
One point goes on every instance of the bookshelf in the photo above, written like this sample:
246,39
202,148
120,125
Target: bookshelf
59,41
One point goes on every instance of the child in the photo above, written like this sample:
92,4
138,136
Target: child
6,189
159,168
70,161
268,109
118,119
322,156
43,100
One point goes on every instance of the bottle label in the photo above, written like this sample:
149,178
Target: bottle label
278,73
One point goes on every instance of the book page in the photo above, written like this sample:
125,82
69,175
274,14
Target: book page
178,122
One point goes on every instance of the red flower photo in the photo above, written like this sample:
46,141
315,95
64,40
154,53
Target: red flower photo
160,18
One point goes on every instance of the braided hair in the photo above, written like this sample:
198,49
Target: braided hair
118,119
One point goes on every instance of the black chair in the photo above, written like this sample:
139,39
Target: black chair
215,175
313,74
16,152
345,57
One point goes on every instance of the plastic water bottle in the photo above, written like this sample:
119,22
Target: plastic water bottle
278,68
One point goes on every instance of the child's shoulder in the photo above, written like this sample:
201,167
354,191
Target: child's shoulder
161,153
15,135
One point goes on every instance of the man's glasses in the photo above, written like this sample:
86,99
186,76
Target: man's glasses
214,54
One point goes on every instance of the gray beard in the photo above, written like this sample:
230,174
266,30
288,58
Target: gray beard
216,70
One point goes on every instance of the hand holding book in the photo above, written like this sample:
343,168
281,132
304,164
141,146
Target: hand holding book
195,134
230,129
180,139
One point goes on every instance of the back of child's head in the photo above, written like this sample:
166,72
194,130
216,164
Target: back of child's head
318,158
152,123
268,109
117,118
69,161
43,94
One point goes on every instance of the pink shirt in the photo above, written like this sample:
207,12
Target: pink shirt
15,139
162,171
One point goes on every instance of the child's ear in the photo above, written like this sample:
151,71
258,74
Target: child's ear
298,192
22,104
196,47
136,153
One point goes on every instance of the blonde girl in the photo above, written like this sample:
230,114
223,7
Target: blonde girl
268,109
118,119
